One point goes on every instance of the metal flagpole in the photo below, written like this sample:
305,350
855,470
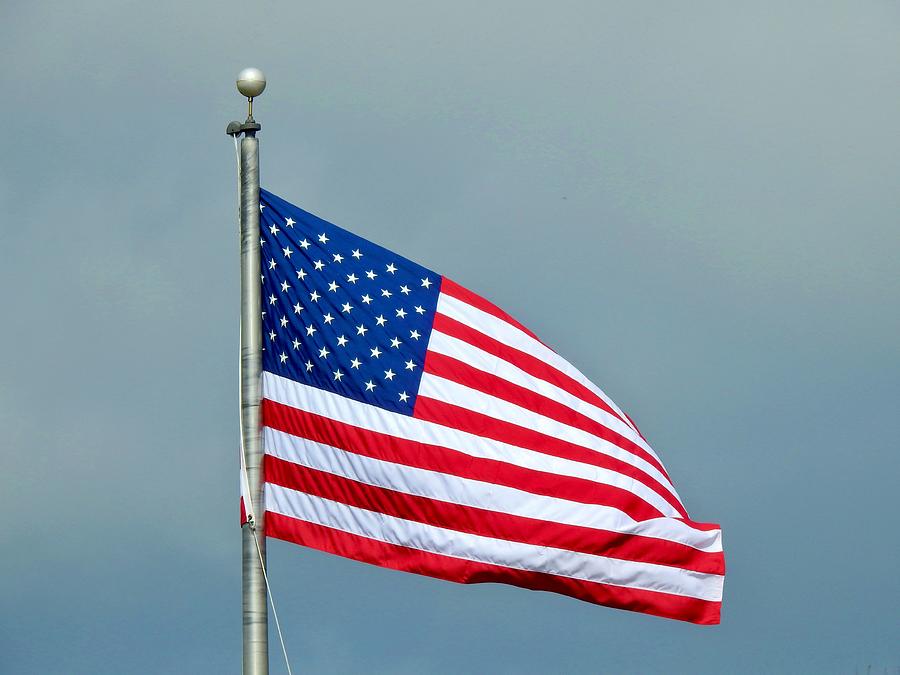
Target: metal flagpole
251,83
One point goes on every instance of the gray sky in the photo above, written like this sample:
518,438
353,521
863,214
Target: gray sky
695,203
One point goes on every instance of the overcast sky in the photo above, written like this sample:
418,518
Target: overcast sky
695,203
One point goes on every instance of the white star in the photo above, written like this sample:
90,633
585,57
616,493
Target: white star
287,251
426,282
356,254
328,318
338,258
385,293
401,313
403,396
314,296
352,278
272,299
310,330
346,307
296,343
272,264
301,275
395,343
370,386
391,268
261,207
389,374
304,244
366,299
297,308
283,357
272,335
355,363
262,241
342,341
380,320
420,310
274,229
338,375
361,330
289,222
323,238
318,265
404,290
410,365
333,286
309,366
284,321
375,352
371,274
414,334
323,353
284,286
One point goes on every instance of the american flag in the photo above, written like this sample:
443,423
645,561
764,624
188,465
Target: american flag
411,424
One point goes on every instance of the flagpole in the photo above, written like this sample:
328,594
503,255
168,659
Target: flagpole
251,83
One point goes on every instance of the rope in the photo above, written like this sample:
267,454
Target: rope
245,482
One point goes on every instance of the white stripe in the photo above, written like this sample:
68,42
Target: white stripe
479,494
445,390
508,334
349,411
515,555
493,365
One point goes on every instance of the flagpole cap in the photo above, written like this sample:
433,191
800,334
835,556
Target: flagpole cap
251,82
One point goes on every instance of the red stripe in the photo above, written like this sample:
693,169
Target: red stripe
522,360
461,372
454,290
457,417
487,523
633,425
444,460
406,559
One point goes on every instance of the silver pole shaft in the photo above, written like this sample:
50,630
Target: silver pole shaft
255,609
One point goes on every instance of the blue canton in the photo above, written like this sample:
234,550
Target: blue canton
339,312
